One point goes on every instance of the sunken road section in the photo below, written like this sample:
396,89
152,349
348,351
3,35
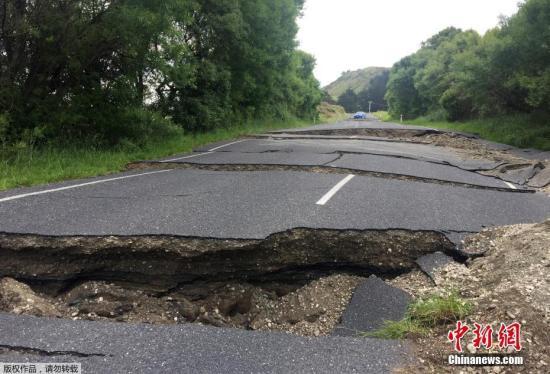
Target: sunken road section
164,262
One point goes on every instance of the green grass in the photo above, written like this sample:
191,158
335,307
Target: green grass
424,314
382,116
27,167
398,330
521,130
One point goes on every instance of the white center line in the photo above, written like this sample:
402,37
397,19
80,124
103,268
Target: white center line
334,190
228,144
183,158
78,185
511,185
205,153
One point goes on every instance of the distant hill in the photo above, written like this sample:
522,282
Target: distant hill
357,80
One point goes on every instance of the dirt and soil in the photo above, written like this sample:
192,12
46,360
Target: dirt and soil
312,309
509,283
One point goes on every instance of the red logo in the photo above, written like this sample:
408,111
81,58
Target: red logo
483,336
508,336
456,336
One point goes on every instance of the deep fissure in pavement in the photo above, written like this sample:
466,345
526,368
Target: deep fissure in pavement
299,280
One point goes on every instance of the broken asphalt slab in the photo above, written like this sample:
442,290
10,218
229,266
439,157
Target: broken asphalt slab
372,303
421,152
430,263
188,348
521,173
392,167
415,168
294,155
542,179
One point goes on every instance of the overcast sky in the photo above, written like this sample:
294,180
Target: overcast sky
354,34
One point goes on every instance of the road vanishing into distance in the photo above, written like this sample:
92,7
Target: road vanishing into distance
327,177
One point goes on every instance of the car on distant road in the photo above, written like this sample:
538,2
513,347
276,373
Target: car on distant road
360,115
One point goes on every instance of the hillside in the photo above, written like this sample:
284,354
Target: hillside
357,80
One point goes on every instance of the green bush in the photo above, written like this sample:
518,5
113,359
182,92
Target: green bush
107,73
466,75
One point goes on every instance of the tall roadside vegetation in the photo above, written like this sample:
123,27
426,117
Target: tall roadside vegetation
106,72
459,75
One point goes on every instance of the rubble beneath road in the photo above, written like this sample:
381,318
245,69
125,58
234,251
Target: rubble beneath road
19,298
311,309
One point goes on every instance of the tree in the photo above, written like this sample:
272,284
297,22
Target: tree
402,95
374,95
349,101
112,69
459,74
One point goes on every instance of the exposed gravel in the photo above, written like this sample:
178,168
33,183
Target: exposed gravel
310,310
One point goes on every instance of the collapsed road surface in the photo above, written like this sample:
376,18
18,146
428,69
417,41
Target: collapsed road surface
236,235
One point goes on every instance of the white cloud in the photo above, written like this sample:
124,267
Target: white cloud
353,34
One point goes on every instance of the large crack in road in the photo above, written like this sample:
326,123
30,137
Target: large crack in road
321,169
162,262
252,284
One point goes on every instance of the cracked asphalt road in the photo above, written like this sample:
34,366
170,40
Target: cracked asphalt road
130,348
253,204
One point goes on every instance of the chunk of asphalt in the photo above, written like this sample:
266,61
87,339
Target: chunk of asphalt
431,262
520,175
373,302
541,179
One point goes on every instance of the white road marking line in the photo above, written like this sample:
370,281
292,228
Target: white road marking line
205,153
183,158
226,145
511,185
78,185
334,190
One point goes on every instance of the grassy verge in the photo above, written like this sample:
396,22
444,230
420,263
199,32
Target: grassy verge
424,314
522,130
383,116
28,167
